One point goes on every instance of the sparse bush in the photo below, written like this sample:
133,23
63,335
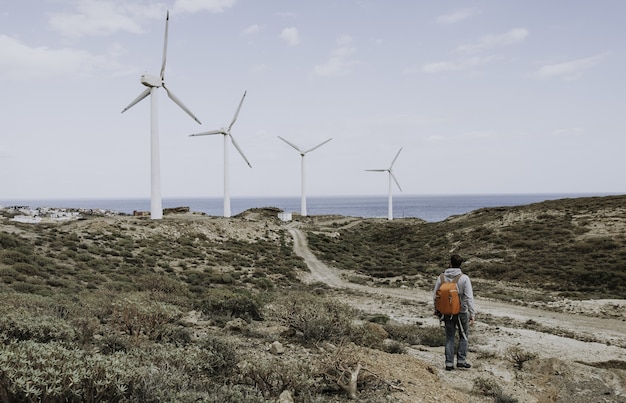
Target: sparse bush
314,318
518,356
488,387
432,336
114,343
275,375
221,357
369,335
409,334
379,318
143,316
394,347
222,304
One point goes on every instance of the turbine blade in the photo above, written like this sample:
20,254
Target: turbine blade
141,96
395,180
179,103
167,20
394,160
317,146
291,144
238,109
239,149
207,133
377,170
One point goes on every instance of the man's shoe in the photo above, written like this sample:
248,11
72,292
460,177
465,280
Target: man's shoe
463,365
449,368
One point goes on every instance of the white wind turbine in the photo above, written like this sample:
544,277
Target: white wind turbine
227,135
152,83
391,176
303,184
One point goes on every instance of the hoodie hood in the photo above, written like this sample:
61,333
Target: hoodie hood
451,273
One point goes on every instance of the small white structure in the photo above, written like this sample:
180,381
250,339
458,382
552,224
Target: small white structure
284,216
64,215
27,219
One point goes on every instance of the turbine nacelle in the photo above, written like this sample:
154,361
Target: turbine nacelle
151,81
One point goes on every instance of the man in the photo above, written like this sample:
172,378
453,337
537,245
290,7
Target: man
463,320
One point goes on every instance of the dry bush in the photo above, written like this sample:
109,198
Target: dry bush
313,318
488,387
518,356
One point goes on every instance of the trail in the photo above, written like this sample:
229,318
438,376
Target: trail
413,304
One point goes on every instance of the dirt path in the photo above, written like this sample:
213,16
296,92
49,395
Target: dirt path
408,305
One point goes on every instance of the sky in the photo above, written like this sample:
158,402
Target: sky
483,97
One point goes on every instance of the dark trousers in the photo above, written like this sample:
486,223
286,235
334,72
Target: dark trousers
453,323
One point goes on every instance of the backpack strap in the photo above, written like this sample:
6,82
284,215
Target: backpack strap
454,280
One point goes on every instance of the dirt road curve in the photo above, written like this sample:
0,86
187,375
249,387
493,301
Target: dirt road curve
410,304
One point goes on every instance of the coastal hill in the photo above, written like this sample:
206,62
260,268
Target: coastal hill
321,308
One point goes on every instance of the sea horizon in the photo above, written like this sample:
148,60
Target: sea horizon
427,207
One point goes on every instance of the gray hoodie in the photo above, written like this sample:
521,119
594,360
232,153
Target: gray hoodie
466,293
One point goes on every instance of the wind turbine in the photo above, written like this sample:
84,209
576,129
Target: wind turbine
152,83
391,176
303,184
227,135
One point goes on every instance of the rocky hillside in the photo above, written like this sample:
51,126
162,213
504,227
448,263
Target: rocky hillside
574,246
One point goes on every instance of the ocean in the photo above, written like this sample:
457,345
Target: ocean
431,208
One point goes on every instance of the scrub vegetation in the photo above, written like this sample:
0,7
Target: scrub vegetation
128,309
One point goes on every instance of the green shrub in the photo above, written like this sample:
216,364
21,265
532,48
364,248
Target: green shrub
142,316
49,372
314,318
21,326
394,347
275,375
432,336
410,334
369,335
222,304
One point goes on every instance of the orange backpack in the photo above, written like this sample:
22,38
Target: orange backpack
447,300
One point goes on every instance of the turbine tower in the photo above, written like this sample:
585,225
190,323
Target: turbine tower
227,135
391,176
152,83
303,184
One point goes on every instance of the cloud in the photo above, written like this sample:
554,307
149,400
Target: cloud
568,132
455,65
96,18
212,6
251,30
339,62
457,16
470,60
291,36
20,61
258,68
512,37
106,17
572,69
